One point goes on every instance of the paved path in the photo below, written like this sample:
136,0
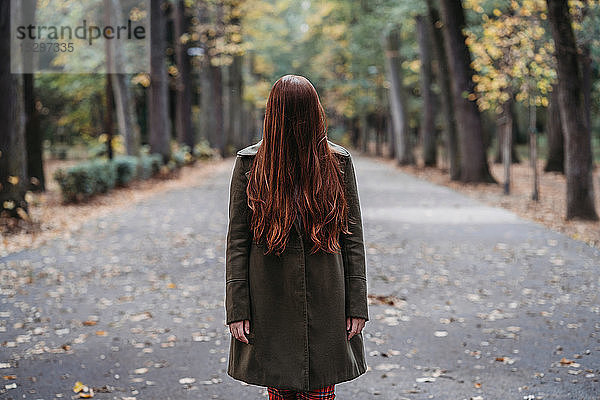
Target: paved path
469,302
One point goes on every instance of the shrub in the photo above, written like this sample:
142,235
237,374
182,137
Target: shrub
202,150
88,178
105,174
83,180
182,155
149,165
127,169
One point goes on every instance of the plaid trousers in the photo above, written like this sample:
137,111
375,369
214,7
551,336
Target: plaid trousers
327,392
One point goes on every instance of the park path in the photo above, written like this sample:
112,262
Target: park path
467,302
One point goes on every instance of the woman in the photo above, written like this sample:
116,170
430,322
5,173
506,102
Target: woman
296,289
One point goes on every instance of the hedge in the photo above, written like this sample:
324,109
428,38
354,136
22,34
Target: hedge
82,181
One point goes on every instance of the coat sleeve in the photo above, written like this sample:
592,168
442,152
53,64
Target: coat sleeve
353,249
237,294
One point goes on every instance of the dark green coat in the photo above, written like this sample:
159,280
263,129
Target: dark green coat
297,303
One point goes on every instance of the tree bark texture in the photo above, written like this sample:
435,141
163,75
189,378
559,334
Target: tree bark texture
474,166
235,104
403,152
33,132
555,160
183,109
160,126
578,149
127,120
514,132
443,79
428,133
13,155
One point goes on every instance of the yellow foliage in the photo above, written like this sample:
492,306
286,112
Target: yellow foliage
143,79
334,31
511,54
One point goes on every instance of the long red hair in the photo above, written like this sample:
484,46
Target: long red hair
294,171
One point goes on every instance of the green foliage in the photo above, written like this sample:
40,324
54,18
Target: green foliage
149,165
337,45
182,156
202,150
127,169
70,106
86,179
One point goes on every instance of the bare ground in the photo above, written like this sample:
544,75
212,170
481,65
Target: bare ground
549,211
50,218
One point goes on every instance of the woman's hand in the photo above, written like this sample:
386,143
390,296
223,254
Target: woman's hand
354,326
238,328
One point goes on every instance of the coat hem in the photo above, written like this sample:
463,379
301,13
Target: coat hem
257,382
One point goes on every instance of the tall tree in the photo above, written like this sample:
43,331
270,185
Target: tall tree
555,160
216,77
234,105
124,100
211,32
235,83
159,121
13,156
183,113
515,133
109,96
33,132
207,106
443,80
578,149
474,165
428,135
403,152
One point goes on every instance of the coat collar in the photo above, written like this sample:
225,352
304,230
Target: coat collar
253,148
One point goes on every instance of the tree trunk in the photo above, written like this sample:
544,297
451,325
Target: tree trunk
500,135
354,131
183,111
555,138
505,125
126,113
578,149
127,120
443,79
13,155
108,88
379,134
108,116
586,81
535,193
428,134
404,153
389,132
216,84
364,132
474,166
236,115
33,132
207,114
34,138
160,126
